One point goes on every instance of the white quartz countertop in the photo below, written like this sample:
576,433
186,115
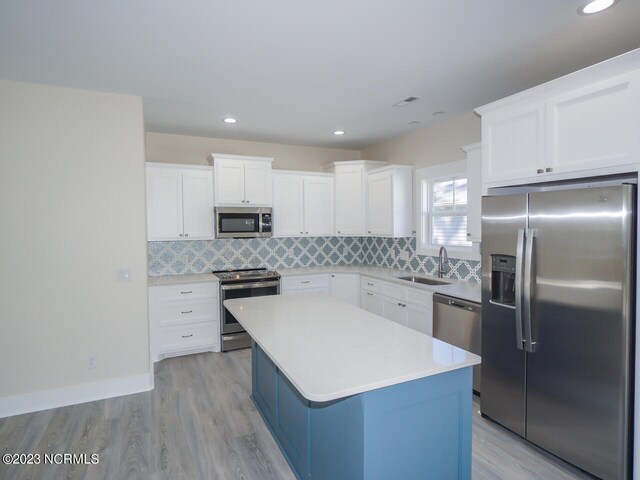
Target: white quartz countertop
455,288
329,349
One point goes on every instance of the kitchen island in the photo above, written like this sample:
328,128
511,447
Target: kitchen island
350,395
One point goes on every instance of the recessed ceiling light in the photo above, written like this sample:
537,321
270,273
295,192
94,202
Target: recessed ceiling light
229,120
415,122
438,113
338,132
596,6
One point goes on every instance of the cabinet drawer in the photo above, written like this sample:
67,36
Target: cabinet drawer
394,291
184,292
183,313
184,337
368,283
303,282
419,297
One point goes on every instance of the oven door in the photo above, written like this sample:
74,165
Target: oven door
237,223
228,323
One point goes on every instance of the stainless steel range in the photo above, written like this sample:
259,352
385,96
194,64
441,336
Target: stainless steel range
242,284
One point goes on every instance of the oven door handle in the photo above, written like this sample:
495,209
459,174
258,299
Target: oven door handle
246,286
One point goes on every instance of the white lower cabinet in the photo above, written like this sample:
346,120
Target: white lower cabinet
371,302
346,286
184,319
410,307
315,283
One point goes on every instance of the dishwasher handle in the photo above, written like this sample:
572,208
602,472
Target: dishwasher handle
457,303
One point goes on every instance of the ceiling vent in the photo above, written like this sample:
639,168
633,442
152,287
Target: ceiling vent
405,102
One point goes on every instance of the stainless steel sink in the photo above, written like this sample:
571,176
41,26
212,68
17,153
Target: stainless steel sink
424,281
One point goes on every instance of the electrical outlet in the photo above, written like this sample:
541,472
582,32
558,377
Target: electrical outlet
124,275
184,258
404,255
92,361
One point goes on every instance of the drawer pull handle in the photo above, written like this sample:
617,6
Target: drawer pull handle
190,311
306,281
186,293
187,336
370,294
370,284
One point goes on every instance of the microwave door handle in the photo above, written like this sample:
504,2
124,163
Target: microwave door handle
529,344
518,282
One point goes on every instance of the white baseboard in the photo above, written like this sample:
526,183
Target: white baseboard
87,392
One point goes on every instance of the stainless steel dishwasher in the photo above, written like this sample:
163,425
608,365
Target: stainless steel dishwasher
457,322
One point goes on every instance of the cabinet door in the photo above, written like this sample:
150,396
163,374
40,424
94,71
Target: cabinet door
350,201
318,206
419,318
596,126
371,302
229,181
346,286
264,383
257,183
474,194
380,209
393,310
288,206
512,143
164,203
197,204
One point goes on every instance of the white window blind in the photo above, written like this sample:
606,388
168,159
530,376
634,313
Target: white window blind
448,212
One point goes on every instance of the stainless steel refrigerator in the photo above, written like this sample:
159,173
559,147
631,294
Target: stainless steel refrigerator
558,316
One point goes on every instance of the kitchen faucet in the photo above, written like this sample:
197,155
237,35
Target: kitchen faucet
443,260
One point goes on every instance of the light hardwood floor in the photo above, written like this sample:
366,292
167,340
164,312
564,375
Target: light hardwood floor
199,423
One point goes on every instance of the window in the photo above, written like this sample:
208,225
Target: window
441,211
447,215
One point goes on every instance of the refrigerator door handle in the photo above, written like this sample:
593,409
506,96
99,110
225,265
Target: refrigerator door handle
518,281
529,344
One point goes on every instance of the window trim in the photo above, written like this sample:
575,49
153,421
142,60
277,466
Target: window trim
423,243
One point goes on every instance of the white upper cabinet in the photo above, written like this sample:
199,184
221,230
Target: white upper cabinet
257,182
350,200
302,204
179,202
318,205
242,181
288,205
351,196
474,191
390,193
581,125
596,126
512,140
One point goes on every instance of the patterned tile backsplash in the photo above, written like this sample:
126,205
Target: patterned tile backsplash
199,256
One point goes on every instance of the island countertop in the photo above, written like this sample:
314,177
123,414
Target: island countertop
329,349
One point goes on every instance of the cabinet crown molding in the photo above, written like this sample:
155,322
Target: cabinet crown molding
213,156
620,65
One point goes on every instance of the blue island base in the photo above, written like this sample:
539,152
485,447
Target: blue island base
419,429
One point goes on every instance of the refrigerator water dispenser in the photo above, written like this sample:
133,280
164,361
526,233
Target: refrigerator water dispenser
503,279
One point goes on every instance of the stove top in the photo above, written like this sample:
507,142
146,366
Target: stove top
245,274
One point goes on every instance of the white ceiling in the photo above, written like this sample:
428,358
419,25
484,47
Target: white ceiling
294,71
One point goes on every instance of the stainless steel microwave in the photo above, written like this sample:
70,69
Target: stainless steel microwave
243,222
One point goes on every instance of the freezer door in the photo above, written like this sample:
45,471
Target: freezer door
581,319
503,364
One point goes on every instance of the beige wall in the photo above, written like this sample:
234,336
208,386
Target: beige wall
429,146
72,190
168,148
